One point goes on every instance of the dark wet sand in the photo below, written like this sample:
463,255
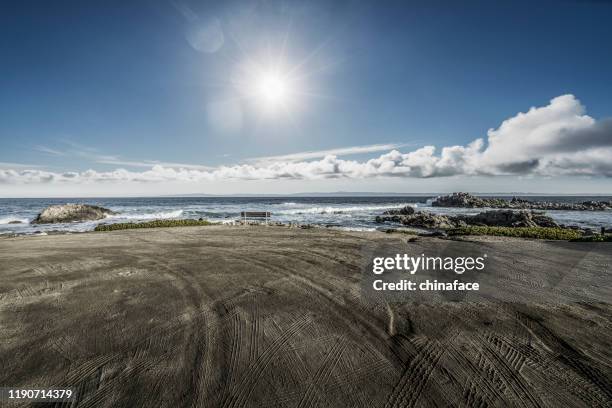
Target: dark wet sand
271,316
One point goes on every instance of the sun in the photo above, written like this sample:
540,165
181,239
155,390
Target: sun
273,89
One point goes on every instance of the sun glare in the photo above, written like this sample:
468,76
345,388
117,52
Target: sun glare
272,89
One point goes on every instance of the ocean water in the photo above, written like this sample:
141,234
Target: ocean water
354,213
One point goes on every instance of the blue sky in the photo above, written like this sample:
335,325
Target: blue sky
168,92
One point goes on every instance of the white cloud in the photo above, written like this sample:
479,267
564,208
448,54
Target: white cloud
7,166
92,155
342,151
558,139
150,163
542,138
48,150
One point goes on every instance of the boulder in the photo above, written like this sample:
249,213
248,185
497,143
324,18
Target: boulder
71,213
420,219
407,210
518,201
497,218
508,218
596,205
466,200
542,220
429,221
463,200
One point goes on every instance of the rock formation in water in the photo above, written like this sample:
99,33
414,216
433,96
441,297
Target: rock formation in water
467,200
501,218
71,213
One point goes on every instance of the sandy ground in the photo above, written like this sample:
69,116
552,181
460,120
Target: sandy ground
270,316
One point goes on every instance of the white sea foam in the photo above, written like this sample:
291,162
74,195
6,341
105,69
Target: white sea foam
356,229
148,216
339,209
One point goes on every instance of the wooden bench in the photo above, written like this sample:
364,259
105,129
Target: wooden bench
255,214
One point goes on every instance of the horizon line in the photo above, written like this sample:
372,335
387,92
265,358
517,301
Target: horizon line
311,194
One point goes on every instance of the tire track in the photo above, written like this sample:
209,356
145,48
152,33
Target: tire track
196,347
195,344
321,377
254,371
376,333
408,389
237,335
549,370
479,389
255,333
512,379
91,368
568,355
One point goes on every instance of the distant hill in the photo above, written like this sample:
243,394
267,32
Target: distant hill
316,194
375,194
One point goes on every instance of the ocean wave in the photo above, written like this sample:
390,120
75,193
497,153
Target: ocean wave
338,210
149,216
355,229
7,220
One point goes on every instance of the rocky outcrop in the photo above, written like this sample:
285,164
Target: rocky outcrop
466,200
507,218
407,210
430,221
420,219
71,213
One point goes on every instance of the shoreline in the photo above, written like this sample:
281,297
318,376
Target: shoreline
347,212
508,232
457,234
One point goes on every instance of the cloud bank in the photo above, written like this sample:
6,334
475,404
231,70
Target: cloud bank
558,139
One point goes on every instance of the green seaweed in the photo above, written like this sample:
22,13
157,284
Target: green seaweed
521,232
594,238
152,224
401,231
